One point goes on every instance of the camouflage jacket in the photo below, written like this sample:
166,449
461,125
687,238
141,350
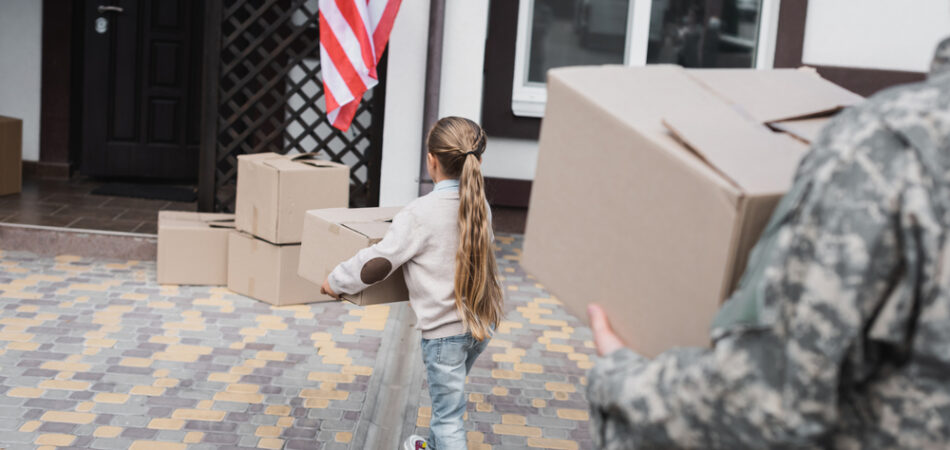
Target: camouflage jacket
839,333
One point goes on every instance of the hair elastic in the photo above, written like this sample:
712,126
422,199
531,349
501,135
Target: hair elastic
472,153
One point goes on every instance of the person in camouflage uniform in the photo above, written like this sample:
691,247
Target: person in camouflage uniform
838,335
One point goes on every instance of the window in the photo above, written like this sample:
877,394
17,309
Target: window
691,33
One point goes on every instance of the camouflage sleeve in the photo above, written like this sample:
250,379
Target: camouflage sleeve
774,382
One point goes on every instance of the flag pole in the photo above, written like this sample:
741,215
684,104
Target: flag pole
430,107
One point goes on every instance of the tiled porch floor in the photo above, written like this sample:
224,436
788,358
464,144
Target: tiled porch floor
69,204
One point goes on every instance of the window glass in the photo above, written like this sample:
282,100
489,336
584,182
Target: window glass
704,33
575,32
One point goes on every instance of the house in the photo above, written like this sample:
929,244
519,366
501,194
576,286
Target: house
173,89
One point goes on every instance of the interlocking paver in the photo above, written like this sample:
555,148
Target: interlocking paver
95,351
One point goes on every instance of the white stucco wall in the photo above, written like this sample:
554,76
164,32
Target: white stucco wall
21,26
875,34
405,92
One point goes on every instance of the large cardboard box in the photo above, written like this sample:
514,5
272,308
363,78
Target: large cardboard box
11,154
274,191
332,236
268,272
193,247
654,183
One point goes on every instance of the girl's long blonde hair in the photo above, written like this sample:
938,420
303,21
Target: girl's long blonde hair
458,144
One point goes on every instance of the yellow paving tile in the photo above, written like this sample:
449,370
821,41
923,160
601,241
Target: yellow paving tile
573,414
285,422
529,368
16,337
23,346
30,426
205,404
222,377
499,391
104,343
554,444
66,385
243,388
68,417
270,443
165,382
198,414
268,431
344,437
277,410
85,406
25,392
271,356
316,403
107,432
193,437
539,403
484,407
163,340
516,430
561,395
56,439
150,391
166,424
108,397
135,362
559,387
505,374
513,419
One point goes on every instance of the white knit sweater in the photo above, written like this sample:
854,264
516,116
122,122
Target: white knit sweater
423,239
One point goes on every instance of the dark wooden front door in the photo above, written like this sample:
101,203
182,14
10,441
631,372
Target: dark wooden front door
141,88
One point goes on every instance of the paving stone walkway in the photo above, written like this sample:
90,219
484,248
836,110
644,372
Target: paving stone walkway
95,354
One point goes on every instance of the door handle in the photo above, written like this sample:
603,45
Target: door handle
115,9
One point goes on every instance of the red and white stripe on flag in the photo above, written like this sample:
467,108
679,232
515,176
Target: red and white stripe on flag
353,34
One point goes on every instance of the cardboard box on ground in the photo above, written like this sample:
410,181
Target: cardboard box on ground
11,154
193,247
332,236
653,184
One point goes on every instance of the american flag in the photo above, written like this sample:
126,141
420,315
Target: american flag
353,34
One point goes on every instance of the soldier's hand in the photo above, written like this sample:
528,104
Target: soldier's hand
605,339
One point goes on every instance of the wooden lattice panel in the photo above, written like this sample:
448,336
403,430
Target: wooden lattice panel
269,97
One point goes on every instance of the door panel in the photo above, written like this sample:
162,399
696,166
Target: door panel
141,90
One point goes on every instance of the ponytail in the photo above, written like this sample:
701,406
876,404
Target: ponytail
459,143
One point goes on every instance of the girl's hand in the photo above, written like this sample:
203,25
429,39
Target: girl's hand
325,290
605,339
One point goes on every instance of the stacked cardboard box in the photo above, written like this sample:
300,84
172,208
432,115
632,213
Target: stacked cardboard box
11,153
653,184
273,193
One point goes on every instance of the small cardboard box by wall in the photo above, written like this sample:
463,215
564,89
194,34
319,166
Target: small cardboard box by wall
332,236
268,272
654,183
11,154
274,191
193,247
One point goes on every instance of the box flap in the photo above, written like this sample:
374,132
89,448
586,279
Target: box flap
774,95
756,159
353,215
805,129
285,163
374,231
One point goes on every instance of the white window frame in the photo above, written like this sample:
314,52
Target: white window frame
529,98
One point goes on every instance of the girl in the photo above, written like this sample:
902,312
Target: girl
457,305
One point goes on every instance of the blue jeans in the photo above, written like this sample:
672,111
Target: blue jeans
448,361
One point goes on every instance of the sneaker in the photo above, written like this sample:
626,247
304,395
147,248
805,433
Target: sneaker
415,443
